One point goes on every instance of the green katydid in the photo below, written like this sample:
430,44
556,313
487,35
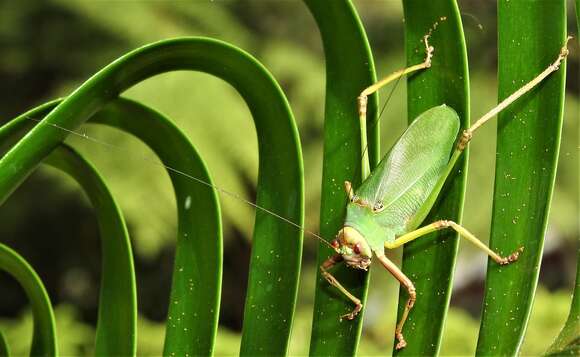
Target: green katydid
386,210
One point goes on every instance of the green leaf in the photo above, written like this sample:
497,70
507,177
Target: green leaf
578,18
349,69
531,34
196,287
4,349
44,335
273,279
191,327
568,341
430,260
116,325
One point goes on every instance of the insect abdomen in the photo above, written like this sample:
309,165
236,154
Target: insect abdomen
407,174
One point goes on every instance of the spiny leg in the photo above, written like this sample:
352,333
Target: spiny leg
468,133
406,282
435,226
363,100
329,263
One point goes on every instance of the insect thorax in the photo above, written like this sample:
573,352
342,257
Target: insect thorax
364,220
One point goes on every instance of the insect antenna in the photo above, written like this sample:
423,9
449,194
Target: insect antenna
151,160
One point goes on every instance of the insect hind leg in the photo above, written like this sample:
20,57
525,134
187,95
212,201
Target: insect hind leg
463,232
468,133
408,284
479,244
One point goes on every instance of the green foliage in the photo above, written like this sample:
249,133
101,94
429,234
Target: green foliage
191,327
348,72
273,284
4,350
117,314
44,335
568,341
349,65
527,154
74,337
118,298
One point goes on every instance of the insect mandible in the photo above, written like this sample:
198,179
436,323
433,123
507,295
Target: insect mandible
386,210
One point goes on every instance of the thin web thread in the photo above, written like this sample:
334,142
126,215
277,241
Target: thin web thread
182,173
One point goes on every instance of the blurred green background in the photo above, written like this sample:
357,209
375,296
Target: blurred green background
47,48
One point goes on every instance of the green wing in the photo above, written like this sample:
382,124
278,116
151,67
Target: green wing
406,175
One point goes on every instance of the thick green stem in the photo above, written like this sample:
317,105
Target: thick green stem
349,70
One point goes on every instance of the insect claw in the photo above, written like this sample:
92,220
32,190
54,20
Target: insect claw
564,51
352,314
512,257
402,343
347,316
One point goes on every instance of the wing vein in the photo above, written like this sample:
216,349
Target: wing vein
406,189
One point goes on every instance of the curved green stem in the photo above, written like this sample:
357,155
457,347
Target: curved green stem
197,273
44,335
568,341
191,326
4,349
531,34
273,281
117,320
349,70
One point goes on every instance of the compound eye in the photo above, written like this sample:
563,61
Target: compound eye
335,244
356,248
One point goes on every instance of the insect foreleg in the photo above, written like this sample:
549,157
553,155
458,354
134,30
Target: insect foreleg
468,133
408,284
363,100
462,232
329,263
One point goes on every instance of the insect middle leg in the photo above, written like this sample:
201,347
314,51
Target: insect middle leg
462,232
408,284
329,263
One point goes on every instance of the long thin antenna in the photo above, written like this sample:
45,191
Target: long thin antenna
182,173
